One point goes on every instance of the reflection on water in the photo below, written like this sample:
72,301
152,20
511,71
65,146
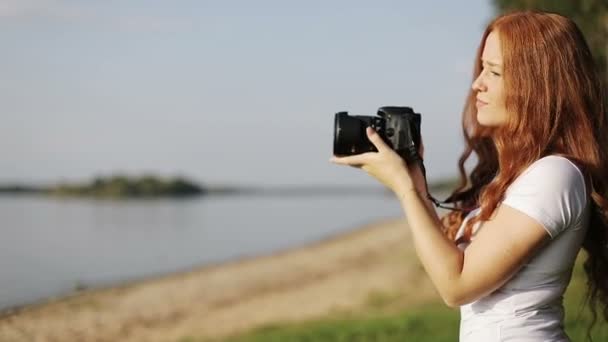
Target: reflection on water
50,246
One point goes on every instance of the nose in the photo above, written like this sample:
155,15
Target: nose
479,84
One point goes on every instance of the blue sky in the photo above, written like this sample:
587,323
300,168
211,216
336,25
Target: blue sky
237,92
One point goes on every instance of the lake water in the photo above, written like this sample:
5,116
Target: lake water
50,246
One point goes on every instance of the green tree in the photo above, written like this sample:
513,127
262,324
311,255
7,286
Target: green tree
591,16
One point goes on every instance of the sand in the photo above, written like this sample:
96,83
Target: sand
374,265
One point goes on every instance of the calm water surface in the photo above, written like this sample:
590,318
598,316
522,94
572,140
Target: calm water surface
49,246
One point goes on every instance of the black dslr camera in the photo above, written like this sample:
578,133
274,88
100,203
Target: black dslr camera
399,127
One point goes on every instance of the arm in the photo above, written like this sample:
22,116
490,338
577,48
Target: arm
504,244
549,197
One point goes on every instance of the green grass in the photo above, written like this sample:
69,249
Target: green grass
430,322
578,316
422,322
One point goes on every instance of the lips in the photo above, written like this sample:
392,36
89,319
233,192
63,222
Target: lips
480,103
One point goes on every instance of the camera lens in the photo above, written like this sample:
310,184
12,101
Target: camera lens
349,134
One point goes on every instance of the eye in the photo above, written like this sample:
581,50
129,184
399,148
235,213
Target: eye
494,73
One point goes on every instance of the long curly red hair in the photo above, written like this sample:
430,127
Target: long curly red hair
556,105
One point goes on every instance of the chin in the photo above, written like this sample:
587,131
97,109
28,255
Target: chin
487,122
483,121
495,116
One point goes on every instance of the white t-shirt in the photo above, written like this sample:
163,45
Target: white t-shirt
529,306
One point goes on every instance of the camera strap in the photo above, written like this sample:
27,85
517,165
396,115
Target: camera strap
437,203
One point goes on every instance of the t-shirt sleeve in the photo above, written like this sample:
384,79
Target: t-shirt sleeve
551,191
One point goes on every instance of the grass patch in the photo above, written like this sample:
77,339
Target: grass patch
381,300
578,316
417,325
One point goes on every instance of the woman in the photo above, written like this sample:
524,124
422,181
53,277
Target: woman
536,119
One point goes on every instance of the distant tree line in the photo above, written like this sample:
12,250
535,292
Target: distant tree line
118,186
123,186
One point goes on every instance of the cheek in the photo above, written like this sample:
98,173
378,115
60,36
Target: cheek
501,100
499,94
501,104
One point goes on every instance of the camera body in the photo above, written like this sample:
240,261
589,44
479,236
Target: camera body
399,127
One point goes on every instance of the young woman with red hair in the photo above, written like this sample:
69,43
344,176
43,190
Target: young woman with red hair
536,120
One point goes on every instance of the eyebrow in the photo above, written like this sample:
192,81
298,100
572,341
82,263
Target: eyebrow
492,64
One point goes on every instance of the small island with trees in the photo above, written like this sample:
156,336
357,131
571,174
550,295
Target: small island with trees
120,186
117,186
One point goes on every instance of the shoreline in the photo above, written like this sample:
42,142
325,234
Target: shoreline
341,273
208,267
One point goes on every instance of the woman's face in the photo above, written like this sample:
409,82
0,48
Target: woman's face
489,85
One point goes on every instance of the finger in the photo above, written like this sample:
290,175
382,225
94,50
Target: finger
354,160
375,139
421,149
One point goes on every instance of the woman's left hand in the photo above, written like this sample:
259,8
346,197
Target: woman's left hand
385,165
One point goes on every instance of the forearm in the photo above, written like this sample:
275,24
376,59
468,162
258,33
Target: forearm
439,256
430,207
419,182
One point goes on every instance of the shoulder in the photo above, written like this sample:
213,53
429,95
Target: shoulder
558,161
555,172
552,190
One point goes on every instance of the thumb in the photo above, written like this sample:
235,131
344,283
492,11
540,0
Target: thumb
375,139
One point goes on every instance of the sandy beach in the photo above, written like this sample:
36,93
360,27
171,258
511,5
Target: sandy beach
342,274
